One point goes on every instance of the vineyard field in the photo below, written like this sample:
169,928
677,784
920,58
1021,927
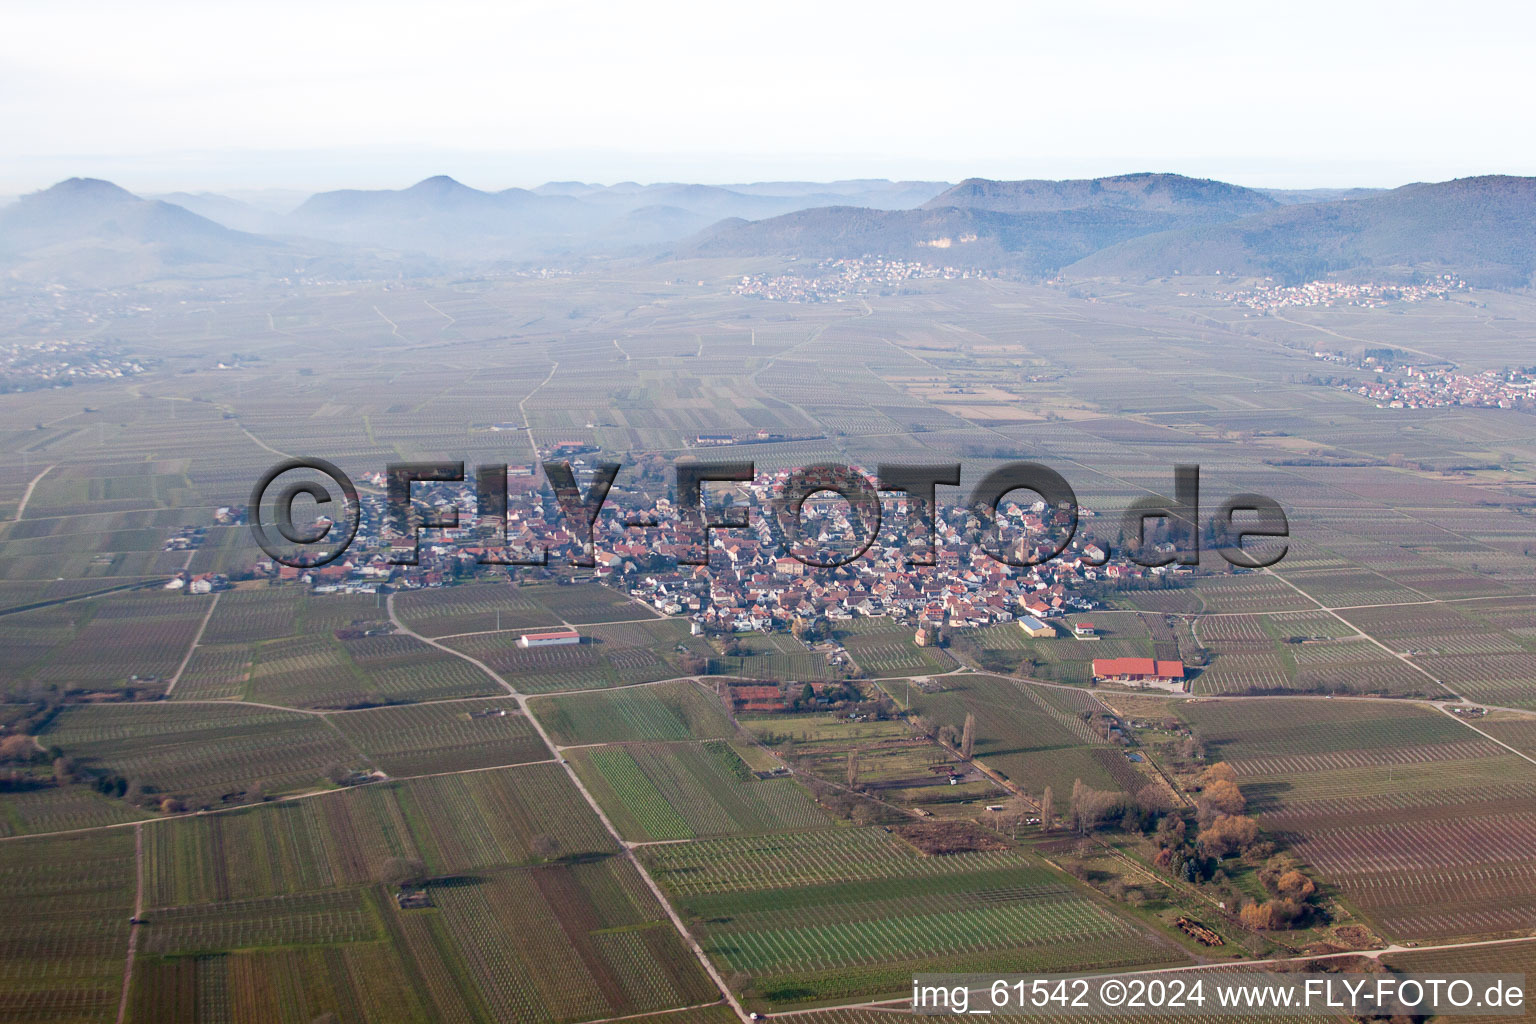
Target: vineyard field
847,914
471,609
200,753
678,710
453,823
323,672
1034,745
682,790
64,908
419,739
1424,824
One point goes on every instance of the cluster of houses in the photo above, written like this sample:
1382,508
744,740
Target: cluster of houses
1441,387
200,583
839,279
752,583
1271,298
51,362
761,436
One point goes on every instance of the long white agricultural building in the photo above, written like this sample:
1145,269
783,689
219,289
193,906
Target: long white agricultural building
555,639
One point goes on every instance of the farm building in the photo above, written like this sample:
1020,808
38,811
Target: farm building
1033,627
413,899
1084,629
1142,671
553,639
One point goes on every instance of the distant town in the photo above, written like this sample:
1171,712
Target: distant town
48,363
751,584
1271,298
840,279
1434,387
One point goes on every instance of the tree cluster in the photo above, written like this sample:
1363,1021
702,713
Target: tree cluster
1227,835
1092,809
1290,904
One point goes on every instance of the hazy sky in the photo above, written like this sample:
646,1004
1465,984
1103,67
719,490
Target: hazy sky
159,95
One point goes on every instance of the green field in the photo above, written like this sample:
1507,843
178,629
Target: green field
64,909
453,823
1032,744
1062,659
420,739
200,753
682,790
373,981
472,609
323,672
851,913
61,808
586,603
883,655
128,639
667,711
586,666
287,898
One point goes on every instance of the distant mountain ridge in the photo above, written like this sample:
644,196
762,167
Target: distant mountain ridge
92,233
1481,228
1032,243
1149,192
1157,225
84,231
52,214
443,217
1030,227
227,211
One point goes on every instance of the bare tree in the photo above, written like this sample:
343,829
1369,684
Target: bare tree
17,747
968,736
1017,810
1090,807
1047,809
403,871
853,766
